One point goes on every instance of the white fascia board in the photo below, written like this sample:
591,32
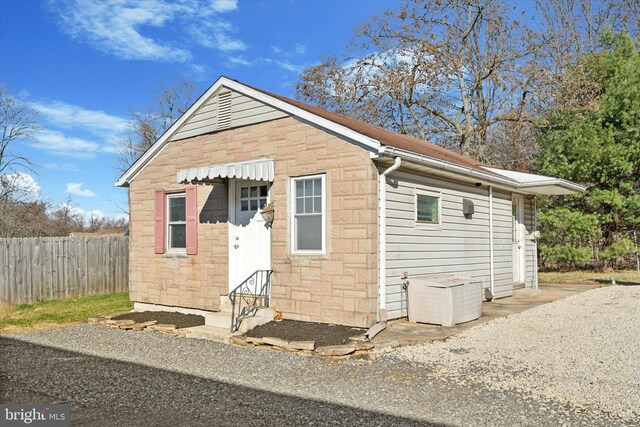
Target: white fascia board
448,166
157,147
557,187
532,181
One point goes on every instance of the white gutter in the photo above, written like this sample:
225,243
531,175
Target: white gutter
443,165
382,239
491,274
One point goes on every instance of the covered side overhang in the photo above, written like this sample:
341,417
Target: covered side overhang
524,183
255,170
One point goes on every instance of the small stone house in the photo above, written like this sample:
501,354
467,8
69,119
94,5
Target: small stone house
327,212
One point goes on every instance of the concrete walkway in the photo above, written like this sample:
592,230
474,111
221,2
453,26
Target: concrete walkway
401,332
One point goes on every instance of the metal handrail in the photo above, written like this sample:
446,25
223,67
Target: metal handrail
253,300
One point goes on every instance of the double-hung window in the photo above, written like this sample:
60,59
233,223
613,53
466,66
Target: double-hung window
308,214
176,223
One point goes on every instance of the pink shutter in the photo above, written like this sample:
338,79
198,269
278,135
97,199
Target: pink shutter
192,219
159,210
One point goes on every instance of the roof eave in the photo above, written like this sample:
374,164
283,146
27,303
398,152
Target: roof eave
485,177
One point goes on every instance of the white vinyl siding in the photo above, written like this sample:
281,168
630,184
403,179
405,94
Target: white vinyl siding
308,213
458,245
244,111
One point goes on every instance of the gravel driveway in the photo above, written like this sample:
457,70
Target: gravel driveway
583,350
115,377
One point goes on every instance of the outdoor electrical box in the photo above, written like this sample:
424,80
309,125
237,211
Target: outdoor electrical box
467,208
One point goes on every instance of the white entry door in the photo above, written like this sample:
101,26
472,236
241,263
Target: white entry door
249,234
518,231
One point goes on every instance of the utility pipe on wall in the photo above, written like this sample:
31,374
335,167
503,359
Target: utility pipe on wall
382,240
534,208
491,275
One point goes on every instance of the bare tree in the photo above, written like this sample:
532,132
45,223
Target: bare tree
170,101
16,121
65,219
474,75
444,70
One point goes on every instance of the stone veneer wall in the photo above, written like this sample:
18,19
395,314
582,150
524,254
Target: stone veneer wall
339,287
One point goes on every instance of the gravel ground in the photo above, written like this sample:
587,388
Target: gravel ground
115,377
583,350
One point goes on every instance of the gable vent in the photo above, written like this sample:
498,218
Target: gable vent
224,110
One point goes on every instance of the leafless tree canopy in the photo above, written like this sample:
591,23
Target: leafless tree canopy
16,121
468,74
170,101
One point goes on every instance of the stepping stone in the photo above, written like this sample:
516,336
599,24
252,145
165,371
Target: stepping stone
301,345
276,342
359,346
254,340
335,350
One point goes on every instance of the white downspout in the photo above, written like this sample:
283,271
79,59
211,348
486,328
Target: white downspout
491,275
382,240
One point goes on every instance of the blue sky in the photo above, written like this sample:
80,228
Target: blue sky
82,64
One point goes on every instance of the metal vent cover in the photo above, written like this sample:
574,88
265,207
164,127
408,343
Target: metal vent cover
224,110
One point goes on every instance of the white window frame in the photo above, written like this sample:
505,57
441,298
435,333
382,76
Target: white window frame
170,223
423,224
292,214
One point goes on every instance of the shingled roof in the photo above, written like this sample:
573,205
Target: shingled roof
384,136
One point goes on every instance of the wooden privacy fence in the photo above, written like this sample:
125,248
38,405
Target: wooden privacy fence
46,268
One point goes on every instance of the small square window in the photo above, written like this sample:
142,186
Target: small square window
427,209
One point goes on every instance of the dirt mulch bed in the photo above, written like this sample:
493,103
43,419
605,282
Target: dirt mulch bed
294,330
163,317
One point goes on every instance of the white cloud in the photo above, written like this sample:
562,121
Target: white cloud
73,116
67,167
289,66
235,61
199,72
24,187
62,145
84,214
73,131
77,190
120,27
238,60
224,5
300,49
216,35
94,213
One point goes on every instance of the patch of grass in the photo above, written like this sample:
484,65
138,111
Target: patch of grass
64,311
626,277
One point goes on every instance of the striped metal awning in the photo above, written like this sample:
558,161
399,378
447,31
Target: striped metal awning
256,170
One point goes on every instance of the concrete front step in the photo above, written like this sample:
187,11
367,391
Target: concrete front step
211,333
218,319
222,319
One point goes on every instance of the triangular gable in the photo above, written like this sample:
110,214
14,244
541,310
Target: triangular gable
248,106
226,109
